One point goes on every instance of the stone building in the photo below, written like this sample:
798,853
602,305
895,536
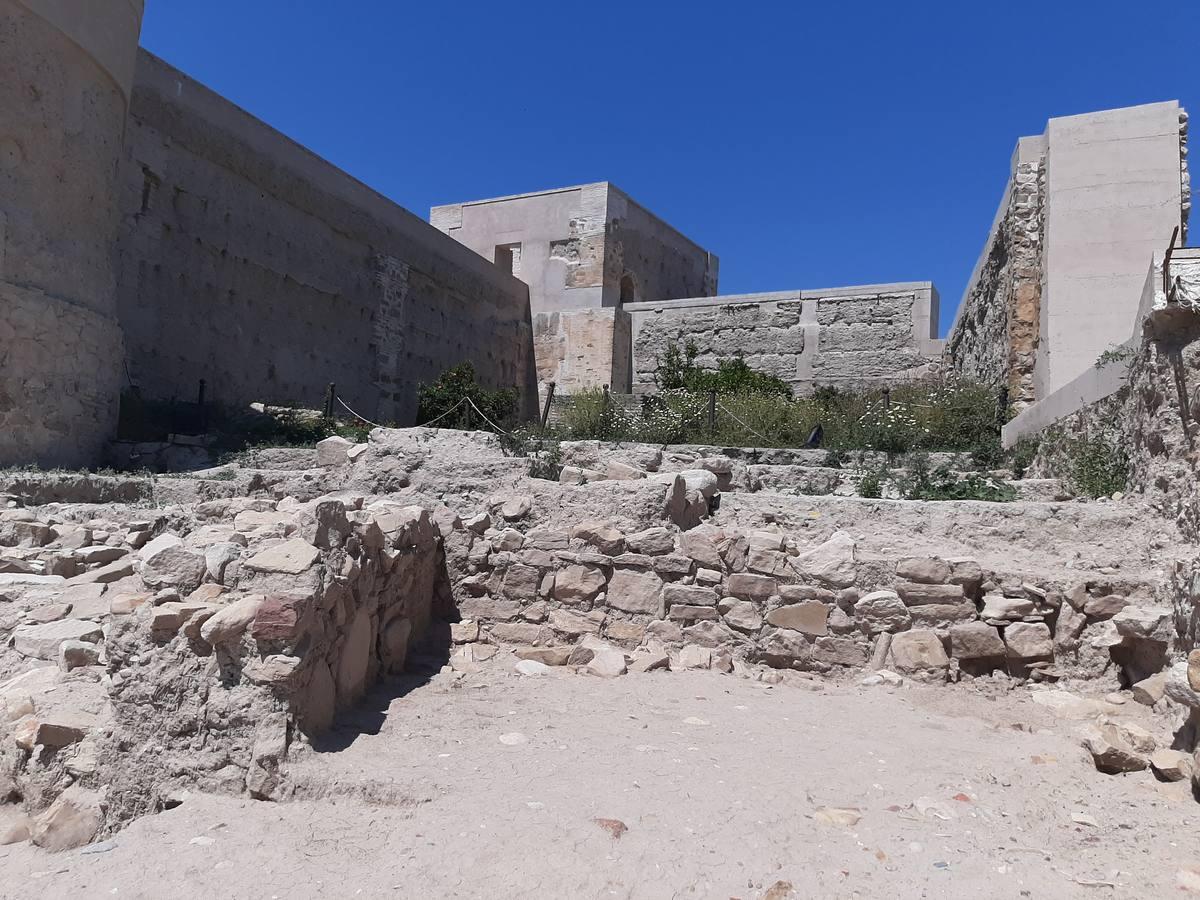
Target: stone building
154,236
1061,274
612,285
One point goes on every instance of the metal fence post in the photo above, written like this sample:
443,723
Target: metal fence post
330,395
546,410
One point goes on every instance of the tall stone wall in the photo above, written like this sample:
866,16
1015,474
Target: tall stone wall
583,348
250,263
65,73
1086,206
845,336
647,259
994,339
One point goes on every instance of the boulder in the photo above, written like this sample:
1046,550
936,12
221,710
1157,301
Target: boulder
516,508
1110,753
1142,623
71,821
77,655
740,614
997,606
601,535
226,626
1171,765
1150,690
692,656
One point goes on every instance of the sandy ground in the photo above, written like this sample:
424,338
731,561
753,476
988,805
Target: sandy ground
493,788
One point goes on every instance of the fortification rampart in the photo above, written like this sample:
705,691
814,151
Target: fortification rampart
251,263
60,141
869,334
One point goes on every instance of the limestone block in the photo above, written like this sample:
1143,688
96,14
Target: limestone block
1142,623
601,535
810,618
923,570
227,625
354,660
289,558
333,451
1026,640
881,611
918,651
916,594
689,594
44,641
832,562
652,542
700,548
636,593
975,640
746,586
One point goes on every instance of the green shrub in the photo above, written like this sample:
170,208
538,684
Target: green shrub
542,449
921,482
1022,455
677,371
1095,467
447,402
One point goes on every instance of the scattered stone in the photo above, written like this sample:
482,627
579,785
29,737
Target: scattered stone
692,656
531,667
1145,624
1171,765
615,827
1024,640
838,817
1150,690
1111,753
71,821
44,641
516,508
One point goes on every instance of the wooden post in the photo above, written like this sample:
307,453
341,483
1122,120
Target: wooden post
887,398
330,395
712,414
546,409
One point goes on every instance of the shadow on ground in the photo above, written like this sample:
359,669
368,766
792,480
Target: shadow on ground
425,661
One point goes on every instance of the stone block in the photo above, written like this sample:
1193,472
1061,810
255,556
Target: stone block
809,618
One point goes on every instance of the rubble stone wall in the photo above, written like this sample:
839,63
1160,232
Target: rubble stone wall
250,263
846,336
995,333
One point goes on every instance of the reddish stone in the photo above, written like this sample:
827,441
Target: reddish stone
278,617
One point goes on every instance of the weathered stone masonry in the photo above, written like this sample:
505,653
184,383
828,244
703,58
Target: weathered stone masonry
250,263
844,336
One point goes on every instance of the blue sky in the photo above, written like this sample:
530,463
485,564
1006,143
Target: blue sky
808,145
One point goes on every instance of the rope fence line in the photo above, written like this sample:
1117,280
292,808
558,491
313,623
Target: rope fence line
499,430
729,413
356,415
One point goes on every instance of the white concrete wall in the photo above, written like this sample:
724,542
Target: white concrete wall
1113,197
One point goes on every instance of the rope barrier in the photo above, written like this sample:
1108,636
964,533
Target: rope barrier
356,415
722,406
499,430
443,415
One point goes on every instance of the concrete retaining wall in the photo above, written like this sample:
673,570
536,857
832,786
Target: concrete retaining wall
249,262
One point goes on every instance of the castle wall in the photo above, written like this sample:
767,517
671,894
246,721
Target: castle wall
65,73
251,263
561,240
663,263
995,333
1058,281
865,335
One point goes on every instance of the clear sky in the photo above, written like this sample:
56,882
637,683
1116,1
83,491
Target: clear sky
808,145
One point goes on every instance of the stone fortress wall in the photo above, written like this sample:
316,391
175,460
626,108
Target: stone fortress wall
840,336
152,234
1061,275
612,285
66,71
249,262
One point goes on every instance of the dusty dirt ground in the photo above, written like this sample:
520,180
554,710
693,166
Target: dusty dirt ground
494,787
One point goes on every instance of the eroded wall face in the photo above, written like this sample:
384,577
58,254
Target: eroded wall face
845,337
996,336
251,264
585,348
658,261
62,121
